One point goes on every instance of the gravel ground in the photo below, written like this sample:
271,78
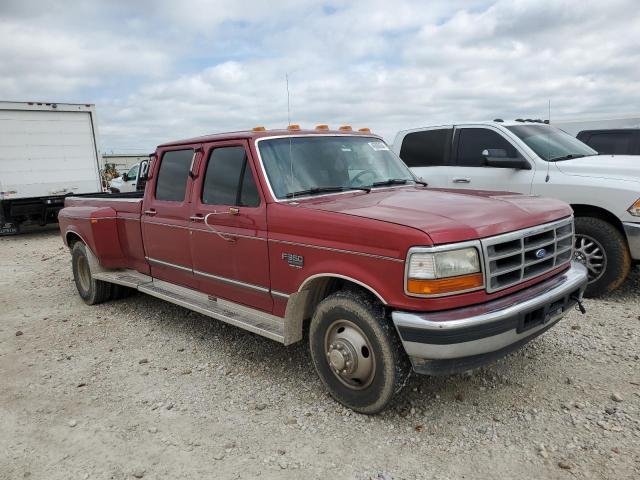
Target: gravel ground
139,388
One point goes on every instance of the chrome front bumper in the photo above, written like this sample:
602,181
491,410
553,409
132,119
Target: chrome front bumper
456,340
632,230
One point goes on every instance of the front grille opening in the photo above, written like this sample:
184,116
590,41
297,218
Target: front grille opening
504,248
563,257
506,263
565,243
539,239
538,268
564,230
505,279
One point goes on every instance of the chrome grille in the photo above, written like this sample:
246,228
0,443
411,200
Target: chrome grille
519,256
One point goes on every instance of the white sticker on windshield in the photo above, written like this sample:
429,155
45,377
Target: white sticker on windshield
378,146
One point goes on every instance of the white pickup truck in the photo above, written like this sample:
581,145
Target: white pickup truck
534,158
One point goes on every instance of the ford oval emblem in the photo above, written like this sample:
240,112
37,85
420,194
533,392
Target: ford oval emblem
541,253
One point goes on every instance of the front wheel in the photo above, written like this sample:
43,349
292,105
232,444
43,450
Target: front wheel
357,352
603,250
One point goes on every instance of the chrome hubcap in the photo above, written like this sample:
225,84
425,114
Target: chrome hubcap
590,253
349,354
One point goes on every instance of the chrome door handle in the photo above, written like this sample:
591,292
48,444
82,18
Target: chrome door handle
197,218
151,212
461,180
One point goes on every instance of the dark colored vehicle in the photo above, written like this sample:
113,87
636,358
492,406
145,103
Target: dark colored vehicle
620,141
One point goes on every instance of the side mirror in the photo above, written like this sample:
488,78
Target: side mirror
143,174
125,177
497,158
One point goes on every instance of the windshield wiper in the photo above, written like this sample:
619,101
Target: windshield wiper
314,190
567,157
398,181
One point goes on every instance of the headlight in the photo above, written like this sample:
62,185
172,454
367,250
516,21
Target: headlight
635,208
442,272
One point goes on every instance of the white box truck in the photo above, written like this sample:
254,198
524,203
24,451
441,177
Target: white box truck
47,150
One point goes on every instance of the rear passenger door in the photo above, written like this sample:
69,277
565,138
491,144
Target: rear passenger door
229,228
427,154
165,220
470,170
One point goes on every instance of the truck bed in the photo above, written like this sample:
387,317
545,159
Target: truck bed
109,224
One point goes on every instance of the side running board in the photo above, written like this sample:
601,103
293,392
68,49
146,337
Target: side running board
250,319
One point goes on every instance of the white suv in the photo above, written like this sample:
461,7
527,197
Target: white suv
534,158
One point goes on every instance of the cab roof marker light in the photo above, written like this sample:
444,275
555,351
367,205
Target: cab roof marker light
322,127
346,128
293,126
364,130
259,129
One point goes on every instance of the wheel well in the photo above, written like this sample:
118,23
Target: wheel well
72,238
320,288
580,210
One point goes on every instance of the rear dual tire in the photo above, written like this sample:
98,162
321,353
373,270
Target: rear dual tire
92,291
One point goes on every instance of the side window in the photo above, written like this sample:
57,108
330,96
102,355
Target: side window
473,141
172,176
616,143
229,180
426,149
133,173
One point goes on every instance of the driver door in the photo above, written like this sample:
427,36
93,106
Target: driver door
470,171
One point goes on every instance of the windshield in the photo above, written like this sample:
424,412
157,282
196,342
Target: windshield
550,143
315,164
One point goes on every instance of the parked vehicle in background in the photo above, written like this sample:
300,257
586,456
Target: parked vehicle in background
596,122
47,150
625,141
538,159
126,182
327,232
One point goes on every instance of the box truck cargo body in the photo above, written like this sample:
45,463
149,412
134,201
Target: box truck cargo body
47,150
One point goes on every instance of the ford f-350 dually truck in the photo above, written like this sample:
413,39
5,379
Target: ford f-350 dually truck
327,232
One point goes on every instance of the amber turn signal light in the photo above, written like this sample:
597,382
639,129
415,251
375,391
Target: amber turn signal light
444,285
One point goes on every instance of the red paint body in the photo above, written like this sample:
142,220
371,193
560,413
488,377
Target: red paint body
363,236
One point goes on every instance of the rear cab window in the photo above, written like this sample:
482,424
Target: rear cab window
173,174
428,148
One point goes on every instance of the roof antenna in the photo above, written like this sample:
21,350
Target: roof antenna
286,77
546,180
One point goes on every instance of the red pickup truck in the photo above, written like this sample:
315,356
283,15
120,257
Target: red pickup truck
328,233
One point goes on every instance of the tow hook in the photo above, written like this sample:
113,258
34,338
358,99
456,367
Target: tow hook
579,305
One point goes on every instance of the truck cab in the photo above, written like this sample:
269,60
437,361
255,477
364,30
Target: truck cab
326,233
534,158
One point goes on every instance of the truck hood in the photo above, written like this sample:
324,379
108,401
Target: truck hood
446,215
615,167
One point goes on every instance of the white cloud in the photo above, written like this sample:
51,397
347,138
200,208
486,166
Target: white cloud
164,70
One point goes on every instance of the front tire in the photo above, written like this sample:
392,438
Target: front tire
603,250
92,291
357,352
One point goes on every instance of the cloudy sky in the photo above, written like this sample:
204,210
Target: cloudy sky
164,70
